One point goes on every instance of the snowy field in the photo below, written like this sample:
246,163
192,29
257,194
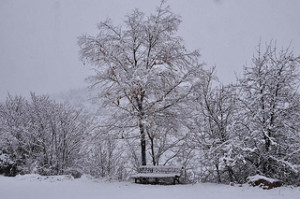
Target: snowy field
37,187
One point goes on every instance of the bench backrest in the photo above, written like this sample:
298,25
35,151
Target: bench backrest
158,169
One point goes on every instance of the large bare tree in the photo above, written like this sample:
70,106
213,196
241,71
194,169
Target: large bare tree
143,69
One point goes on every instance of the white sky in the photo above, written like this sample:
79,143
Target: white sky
38,38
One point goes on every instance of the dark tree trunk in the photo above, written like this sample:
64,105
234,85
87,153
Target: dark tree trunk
152,150
218,172
143,144
142,128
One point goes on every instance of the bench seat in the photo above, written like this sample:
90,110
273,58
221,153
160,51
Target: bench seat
157,173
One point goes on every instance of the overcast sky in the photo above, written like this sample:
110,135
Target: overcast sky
38,38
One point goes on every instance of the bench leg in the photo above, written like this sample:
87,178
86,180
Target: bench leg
138,180
176,178
143,180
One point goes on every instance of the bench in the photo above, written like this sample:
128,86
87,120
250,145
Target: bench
157,174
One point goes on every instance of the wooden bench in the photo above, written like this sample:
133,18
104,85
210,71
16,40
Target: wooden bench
157,174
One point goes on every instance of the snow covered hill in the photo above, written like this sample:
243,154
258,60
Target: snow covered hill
38,187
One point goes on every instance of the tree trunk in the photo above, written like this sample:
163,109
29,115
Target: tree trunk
143,143
152,151
218,173
141,125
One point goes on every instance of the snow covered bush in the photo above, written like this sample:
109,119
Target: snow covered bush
264,182
251,127
7,166
269,114
41,136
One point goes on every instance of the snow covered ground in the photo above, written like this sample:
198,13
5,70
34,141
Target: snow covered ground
38,187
